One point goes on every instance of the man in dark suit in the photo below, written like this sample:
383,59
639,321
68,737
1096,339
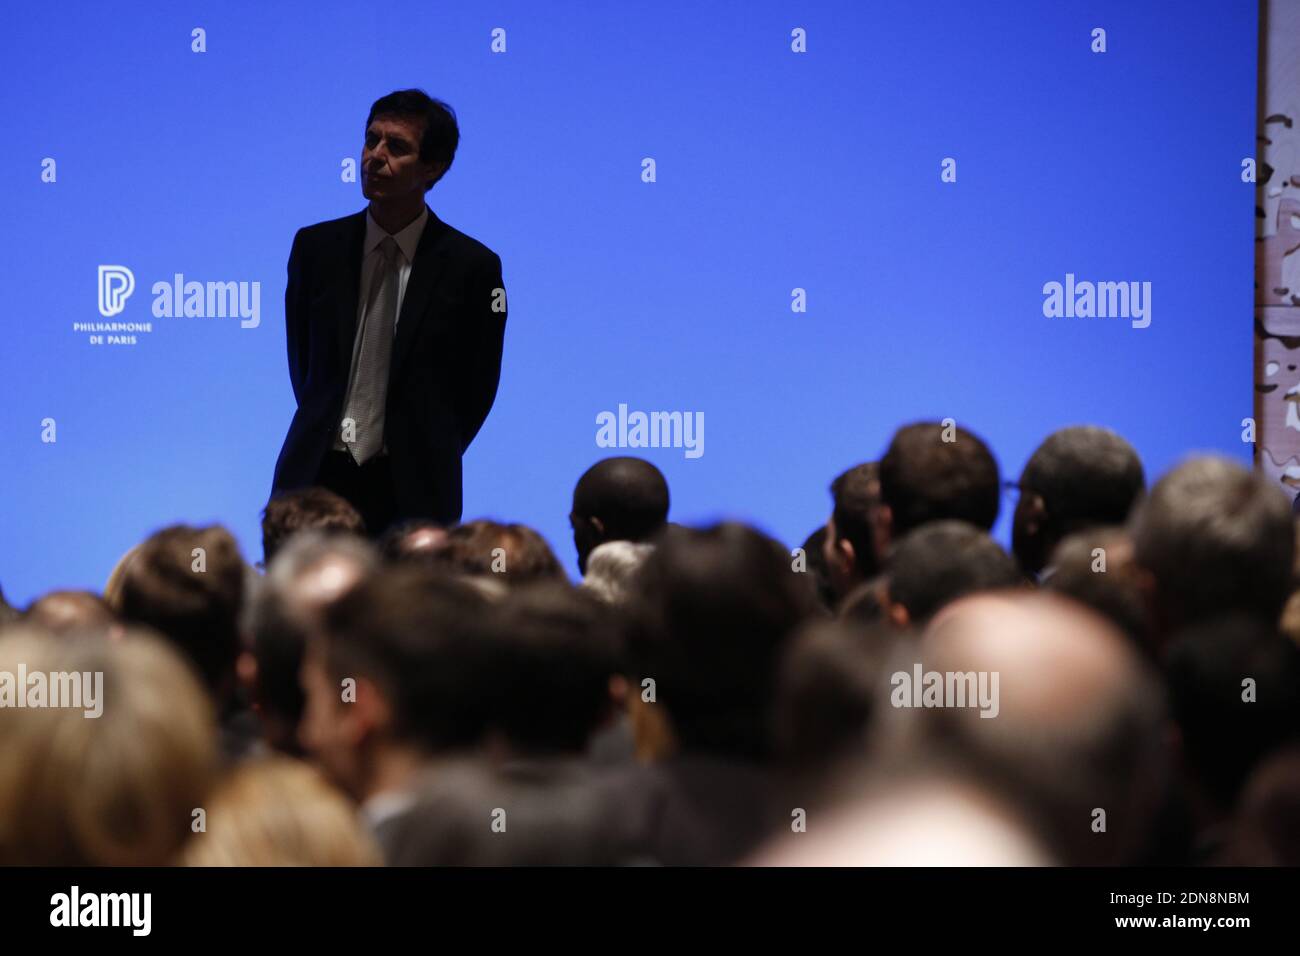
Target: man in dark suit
395,323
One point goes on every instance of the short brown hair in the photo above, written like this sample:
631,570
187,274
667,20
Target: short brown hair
318,508
196,609
524,556
928,474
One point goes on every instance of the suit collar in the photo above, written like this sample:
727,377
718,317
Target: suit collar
408,238
426,265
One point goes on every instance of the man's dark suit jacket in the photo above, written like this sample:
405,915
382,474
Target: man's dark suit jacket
445,366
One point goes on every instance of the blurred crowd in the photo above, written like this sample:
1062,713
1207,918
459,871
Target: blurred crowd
1121,688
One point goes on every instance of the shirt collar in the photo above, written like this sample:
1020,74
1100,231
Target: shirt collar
407,239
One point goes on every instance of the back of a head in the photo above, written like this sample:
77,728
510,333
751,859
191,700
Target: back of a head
302,509
65,612
554,653
511,553
1217,538
115,788
415,540
912,817
611,568
932,471
279,812
942,561
829,687
1073,721
188,584
713,611
418,634
1083,476
8,613
855,494
628,495
1266,829
814,552
308,574
1096,568
1234,685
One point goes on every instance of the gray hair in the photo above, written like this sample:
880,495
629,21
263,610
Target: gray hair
610,568
1218,538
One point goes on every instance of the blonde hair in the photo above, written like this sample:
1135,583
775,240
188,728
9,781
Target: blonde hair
114,790
280,812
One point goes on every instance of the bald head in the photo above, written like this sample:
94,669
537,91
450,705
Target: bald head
415,540
617,499
63,612
1078,726
930,821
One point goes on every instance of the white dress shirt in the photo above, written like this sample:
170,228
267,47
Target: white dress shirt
371,261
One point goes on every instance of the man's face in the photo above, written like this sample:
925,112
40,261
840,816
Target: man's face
585,538
328,731
838,566
390,159
1028,543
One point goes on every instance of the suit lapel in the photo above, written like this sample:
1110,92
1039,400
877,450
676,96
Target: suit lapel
428,265
425,269
350,296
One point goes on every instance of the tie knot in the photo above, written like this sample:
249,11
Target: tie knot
388,248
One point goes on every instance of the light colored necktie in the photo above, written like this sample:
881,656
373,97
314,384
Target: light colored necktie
370,386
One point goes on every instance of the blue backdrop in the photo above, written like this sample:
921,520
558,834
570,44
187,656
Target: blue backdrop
775,171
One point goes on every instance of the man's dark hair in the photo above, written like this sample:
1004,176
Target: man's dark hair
861,607
419,635
8,613
817,570
441,133
712,613
942,561
555,652
1225,734
629,496
1217,538
854,494
302,508
925,478
192,597
1084,476
512,553
1096,568
830,684
1266,831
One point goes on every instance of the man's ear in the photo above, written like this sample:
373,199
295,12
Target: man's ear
1156,618
843,549
246,669
882,530
370,714
598,525
895,612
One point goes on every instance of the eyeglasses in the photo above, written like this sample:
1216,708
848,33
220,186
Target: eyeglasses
1015,489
